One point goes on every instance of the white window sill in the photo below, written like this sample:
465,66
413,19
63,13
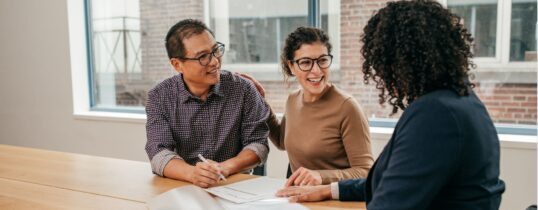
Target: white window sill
111,117
378,133
507,140
518,141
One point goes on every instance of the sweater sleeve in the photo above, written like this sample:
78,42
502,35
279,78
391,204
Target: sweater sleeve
356,139
276,130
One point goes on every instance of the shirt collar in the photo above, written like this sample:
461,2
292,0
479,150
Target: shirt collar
185,94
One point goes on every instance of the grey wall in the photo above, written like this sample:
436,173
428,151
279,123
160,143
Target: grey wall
36,107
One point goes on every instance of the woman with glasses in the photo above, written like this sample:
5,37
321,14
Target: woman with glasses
324,130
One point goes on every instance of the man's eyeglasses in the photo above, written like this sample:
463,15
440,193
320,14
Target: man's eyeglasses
205,59
306,64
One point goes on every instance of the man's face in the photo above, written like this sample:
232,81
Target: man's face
195,74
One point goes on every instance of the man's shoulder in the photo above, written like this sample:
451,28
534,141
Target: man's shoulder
166,85
235,82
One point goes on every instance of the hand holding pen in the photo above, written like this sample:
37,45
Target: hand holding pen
216,167
205,173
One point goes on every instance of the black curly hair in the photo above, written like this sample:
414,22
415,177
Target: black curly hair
294,41
411,48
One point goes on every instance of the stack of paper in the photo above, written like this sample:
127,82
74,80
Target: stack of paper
248,190
264,204
182,198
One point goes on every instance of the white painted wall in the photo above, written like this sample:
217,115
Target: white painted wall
36,102
36,106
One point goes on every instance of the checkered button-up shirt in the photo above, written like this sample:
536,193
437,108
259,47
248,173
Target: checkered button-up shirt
180,125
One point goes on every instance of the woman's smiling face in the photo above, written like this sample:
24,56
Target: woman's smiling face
315,80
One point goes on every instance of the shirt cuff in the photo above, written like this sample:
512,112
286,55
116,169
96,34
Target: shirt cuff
159,161
335,193
261,151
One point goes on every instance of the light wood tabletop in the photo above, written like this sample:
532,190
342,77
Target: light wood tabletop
75,181
18,195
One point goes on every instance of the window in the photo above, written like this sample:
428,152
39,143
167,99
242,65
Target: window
523,31
258,38
484,19
127,54
116,58
255,36
480,17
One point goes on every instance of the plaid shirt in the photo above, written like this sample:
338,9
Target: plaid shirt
180,125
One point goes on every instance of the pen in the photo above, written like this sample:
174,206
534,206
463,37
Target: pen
205,161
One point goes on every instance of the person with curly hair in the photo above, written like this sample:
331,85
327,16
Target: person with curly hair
444,151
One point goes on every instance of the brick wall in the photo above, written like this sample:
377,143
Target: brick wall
156,18
507,103
354,16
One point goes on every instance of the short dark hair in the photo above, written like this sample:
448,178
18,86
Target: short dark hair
183,30
411,48
301,35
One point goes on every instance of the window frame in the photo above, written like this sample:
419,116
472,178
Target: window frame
90,67
270,71
80,52
500,65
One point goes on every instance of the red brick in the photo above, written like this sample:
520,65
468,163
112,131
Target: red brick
514,110
519,98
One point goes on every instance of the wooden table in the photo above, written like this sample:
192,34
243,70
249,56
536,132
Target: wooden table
41,179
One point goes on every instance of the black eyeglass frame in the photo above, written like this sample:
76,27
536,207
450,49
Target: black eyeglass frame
211,54
316,61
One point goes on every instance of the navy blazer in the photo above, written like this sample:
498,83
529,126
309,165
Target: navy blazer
443,154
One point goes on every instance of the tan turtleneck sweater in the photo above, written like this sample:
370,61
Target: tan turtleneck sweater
329,135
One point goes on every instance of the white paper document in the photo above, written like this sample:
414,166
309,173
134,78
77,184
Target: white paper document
264,204
249,190
195,198
184,198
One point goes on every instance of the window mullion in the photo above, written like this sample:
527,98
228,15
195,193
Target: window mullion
503,30
89,52
222,21
314,16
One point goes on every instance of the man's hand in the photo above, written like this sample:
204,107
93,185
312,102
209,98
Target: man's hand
306,193
304,176
205,174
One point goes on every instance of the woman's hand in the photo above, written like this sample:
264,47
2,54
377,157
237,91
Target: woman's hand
304,176
306,193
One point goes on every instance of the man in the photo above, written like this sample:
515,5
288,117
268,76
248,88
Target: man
205,111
